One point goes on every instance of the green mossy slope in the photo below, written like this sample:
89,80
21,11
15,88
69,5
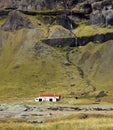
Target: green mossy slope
28,67
96,60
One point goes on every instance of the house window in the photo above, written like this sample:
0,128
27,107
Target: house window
40,99
50,99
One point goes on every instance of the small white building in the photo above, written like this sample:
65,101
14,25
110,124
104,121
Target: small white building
48,97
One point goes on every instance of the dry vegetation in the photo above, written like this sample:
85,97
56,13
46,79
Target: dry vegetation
73,122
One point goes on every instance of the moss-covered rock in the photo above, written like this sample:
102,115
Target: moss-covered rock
58,32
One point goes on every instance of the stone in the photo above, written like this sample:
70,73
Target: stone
101,94
35,121
3,107
22,116
83,116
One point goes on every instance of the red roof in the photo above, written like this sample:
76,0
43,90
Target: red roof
49,95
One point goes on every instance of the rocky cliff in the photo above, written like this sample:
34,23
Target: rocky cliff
100,12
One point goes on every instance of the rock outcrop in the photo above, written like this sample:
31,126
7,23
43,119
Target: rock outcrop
16,21
29,4
81,41
104,17
100,11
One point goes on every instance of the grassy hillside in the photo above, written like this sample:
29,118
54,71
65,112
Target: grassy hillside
96,62
28,67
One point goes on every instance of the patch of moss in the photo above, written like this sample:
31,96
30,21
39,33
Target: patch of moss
88,30
2,20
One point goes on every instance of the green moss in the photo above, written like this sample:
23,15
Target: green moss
88,30
2,20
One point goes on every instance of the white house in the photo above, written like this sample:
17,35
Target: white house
48,97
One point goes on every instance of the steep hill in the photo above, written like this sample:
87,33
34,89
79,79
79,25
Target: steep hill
66,48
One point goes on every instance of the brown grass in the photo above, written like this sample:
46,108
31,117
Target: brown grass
89,120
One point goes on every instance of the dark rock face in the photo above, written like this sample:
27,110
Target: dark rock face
102,17
102,12
15,21
86,7
59,19
66,22
3,13
73,42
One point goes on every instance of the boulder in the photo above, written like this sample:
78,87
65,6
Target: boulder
101,94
